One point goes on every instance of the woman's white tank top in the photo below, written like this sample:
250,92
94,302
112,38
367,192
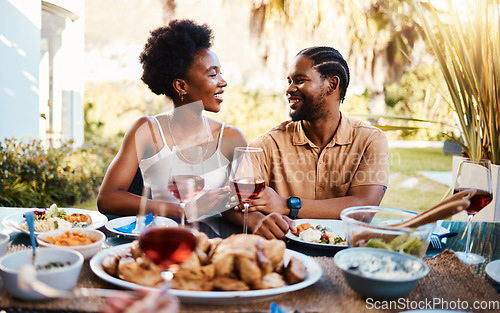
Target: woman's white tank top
156,169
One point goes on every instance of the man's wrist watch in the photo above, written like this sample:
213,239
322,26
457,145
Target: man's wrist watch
294,204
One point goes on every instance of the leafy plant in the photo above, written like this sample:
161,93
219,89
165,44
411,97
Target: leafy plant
467,47
33,175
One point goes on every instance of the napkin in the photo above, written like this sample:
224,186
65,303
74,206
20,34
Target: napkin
275,308
129,229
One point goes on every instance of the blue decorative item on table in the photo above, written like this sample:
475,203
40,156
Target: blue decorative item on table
275,308
129,229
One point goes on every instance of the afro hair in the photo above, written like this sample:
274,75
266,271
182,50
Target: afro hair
169,51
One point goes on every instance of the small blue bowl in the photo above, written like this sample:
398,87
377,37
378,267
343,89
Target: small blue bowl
380,274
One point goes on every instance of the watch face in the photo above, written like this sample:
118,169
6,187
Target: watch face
294,203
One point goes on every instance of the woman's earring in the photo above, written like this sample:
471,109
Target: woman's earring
181,96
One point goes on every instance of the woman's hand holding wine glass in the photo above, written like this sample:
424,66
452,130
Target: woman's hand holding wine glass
247,177
474,175
186,180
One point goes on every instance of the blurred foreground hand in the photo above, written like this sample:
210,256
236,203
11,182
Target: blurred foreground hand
148,301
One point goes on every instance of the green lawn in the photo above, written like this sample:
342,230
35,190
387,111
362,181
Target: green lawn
404,165
409,161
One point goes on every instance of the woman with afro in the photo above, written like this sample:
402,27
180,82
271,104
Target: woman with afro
178,63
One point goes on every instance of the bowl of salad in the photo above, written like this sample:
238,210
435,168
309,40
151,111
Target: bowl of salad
371,227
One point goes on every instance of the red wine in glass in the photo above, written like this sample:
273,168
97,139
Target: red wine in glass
184,187
473,174
478,201
247,188
246,171
167,247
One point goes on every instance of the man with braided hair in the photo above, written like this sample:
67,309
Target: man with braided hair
321,161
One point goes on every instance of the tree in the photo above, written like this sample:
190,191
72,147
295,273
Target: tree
383,34
376,36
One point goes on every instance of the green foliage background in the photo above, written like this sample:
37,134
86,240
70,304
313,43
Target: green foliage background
252,112
33,175
421,93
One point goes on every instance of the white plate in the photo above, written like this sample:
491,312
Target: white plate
493,270
122,221
13,221
438,229
336,226
314,273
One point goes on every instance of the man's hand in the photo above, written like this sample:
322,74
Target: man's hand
272,226
268,201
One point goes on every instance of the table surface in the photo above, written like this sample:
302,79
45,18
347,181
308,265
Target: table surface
484,238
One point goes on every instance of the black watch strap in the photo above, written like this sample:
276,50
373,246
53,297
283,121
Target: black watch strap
294,204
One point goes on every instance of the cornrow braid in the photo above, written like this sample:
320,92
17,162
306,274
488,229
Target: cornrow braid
329,62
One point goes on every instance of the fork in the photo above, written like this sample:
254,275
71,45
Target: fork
436,238
436,242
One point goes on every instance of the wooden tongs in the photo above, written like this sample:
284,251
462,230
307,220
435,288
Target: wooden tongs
444,209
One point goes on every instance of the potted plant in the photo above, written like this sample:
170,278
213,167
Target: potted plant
467,47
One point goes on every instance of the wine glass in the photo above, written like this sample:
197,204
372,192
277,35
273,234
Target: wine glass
247,177
474,175
168,247
186,180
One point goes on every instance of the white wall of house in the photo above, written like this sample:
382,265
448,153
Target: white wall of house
41,88
20,24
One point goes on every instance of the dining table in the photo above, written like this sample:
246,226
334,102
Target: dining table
450,283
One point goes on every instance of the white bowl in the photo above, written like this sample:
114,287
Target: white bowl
380,274
4,242
87,251
62,278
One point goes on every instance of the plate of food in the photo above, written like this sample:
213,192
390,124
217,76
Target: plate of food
319,233
211,275
55,218
121,225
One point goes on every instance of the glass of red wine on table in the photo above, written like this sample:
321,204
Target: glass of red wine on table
166,246
474,175
247,177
